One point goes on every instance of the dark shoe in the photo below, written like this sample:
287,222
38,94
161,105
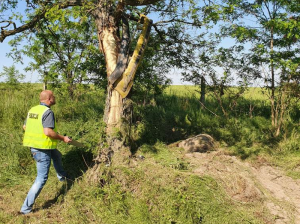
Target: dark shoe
25,214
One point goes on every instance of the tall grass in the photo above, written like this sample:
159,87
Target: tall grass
246,130
157,189
175,117
80,119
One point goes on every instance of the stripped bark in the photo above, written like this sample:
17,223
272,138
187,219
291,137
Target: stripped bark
109,45
118,108
123,55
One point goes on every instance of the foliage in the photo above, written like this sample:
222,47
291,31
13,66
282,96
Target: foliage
272,39
273,49
13,76
64,49
151,77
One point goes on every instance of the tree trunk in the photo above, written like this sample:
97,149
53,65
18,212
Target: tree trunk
202,97
273,109
120,70
277,107
70,83
109,45
118,110
45,84
120,74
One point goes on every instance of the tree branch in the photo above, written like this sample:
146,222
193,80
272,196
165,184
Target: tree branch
124,83
140,2
35,19
179,21
9,23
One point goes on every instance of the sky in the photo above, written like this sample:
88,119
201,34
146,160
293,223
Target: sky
5,60
32,77
5,48
8,61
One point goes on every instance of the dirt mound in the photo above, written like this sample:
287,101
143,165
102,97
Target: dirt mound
246,183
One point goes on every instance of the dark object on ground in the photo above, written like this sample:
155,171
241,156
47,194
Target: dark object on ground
198,143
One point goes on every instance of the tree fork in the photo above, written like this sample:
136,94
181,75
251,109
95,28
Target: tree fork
120,73
120,82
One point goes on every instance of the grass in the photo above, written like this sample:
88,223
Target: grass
150,191
156,189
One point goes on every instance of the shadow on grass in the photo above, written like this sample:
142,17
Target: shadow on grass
76,162
174,118
245,154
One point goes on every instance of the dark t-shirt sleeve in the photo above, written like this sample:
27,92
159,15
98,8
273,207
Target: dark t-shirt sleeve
48,119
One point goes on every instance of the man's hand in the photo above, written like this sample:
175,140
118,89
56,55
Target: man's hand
67,139
52,134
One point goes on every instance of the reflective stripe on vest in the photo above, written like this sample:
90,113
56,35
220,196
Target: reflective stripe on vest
34,133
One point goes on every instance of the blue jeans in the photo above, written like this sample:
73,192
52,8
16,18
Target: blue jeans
43,162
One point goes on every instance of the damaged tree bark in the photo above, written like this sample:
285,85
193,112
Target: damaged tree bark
120,74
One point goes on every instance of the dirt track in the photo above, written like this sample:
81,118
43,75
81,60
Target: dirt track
245,183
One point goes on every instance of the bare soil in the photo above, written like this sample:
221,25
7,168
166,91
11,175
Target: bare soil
247,183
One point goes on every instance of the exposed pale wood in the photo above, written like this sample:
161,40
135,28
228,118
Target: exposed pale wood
109,46
115,109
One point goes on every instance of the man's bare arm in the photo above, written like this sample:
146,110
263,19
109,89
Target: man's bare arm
52,134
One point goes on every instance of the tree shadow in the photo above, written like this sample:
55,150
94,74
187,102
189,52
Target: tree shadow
173,118
245,154
63,190
76,162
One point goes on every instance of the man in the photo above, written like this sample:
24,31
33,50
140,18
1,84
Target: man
41,136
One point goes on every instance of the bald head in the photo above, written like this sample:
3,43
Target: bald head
47,97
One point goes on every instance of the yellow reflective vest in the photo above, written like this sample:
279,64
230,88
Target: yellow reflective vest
34,133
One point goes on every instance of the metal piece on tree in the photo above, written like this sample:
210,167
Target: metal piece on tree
125,82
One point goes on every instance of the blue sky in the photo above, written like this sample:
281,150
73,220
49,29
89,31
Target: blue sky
5,48
174,75
34,77
7,61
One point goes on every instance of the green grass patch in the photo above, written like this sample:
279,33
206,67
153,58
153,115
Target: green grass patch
153,191
158,187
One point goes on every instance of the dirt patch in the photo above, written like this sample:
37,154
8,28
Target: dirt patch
246,183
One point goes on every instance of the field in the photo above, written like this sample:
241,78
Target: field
157,184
